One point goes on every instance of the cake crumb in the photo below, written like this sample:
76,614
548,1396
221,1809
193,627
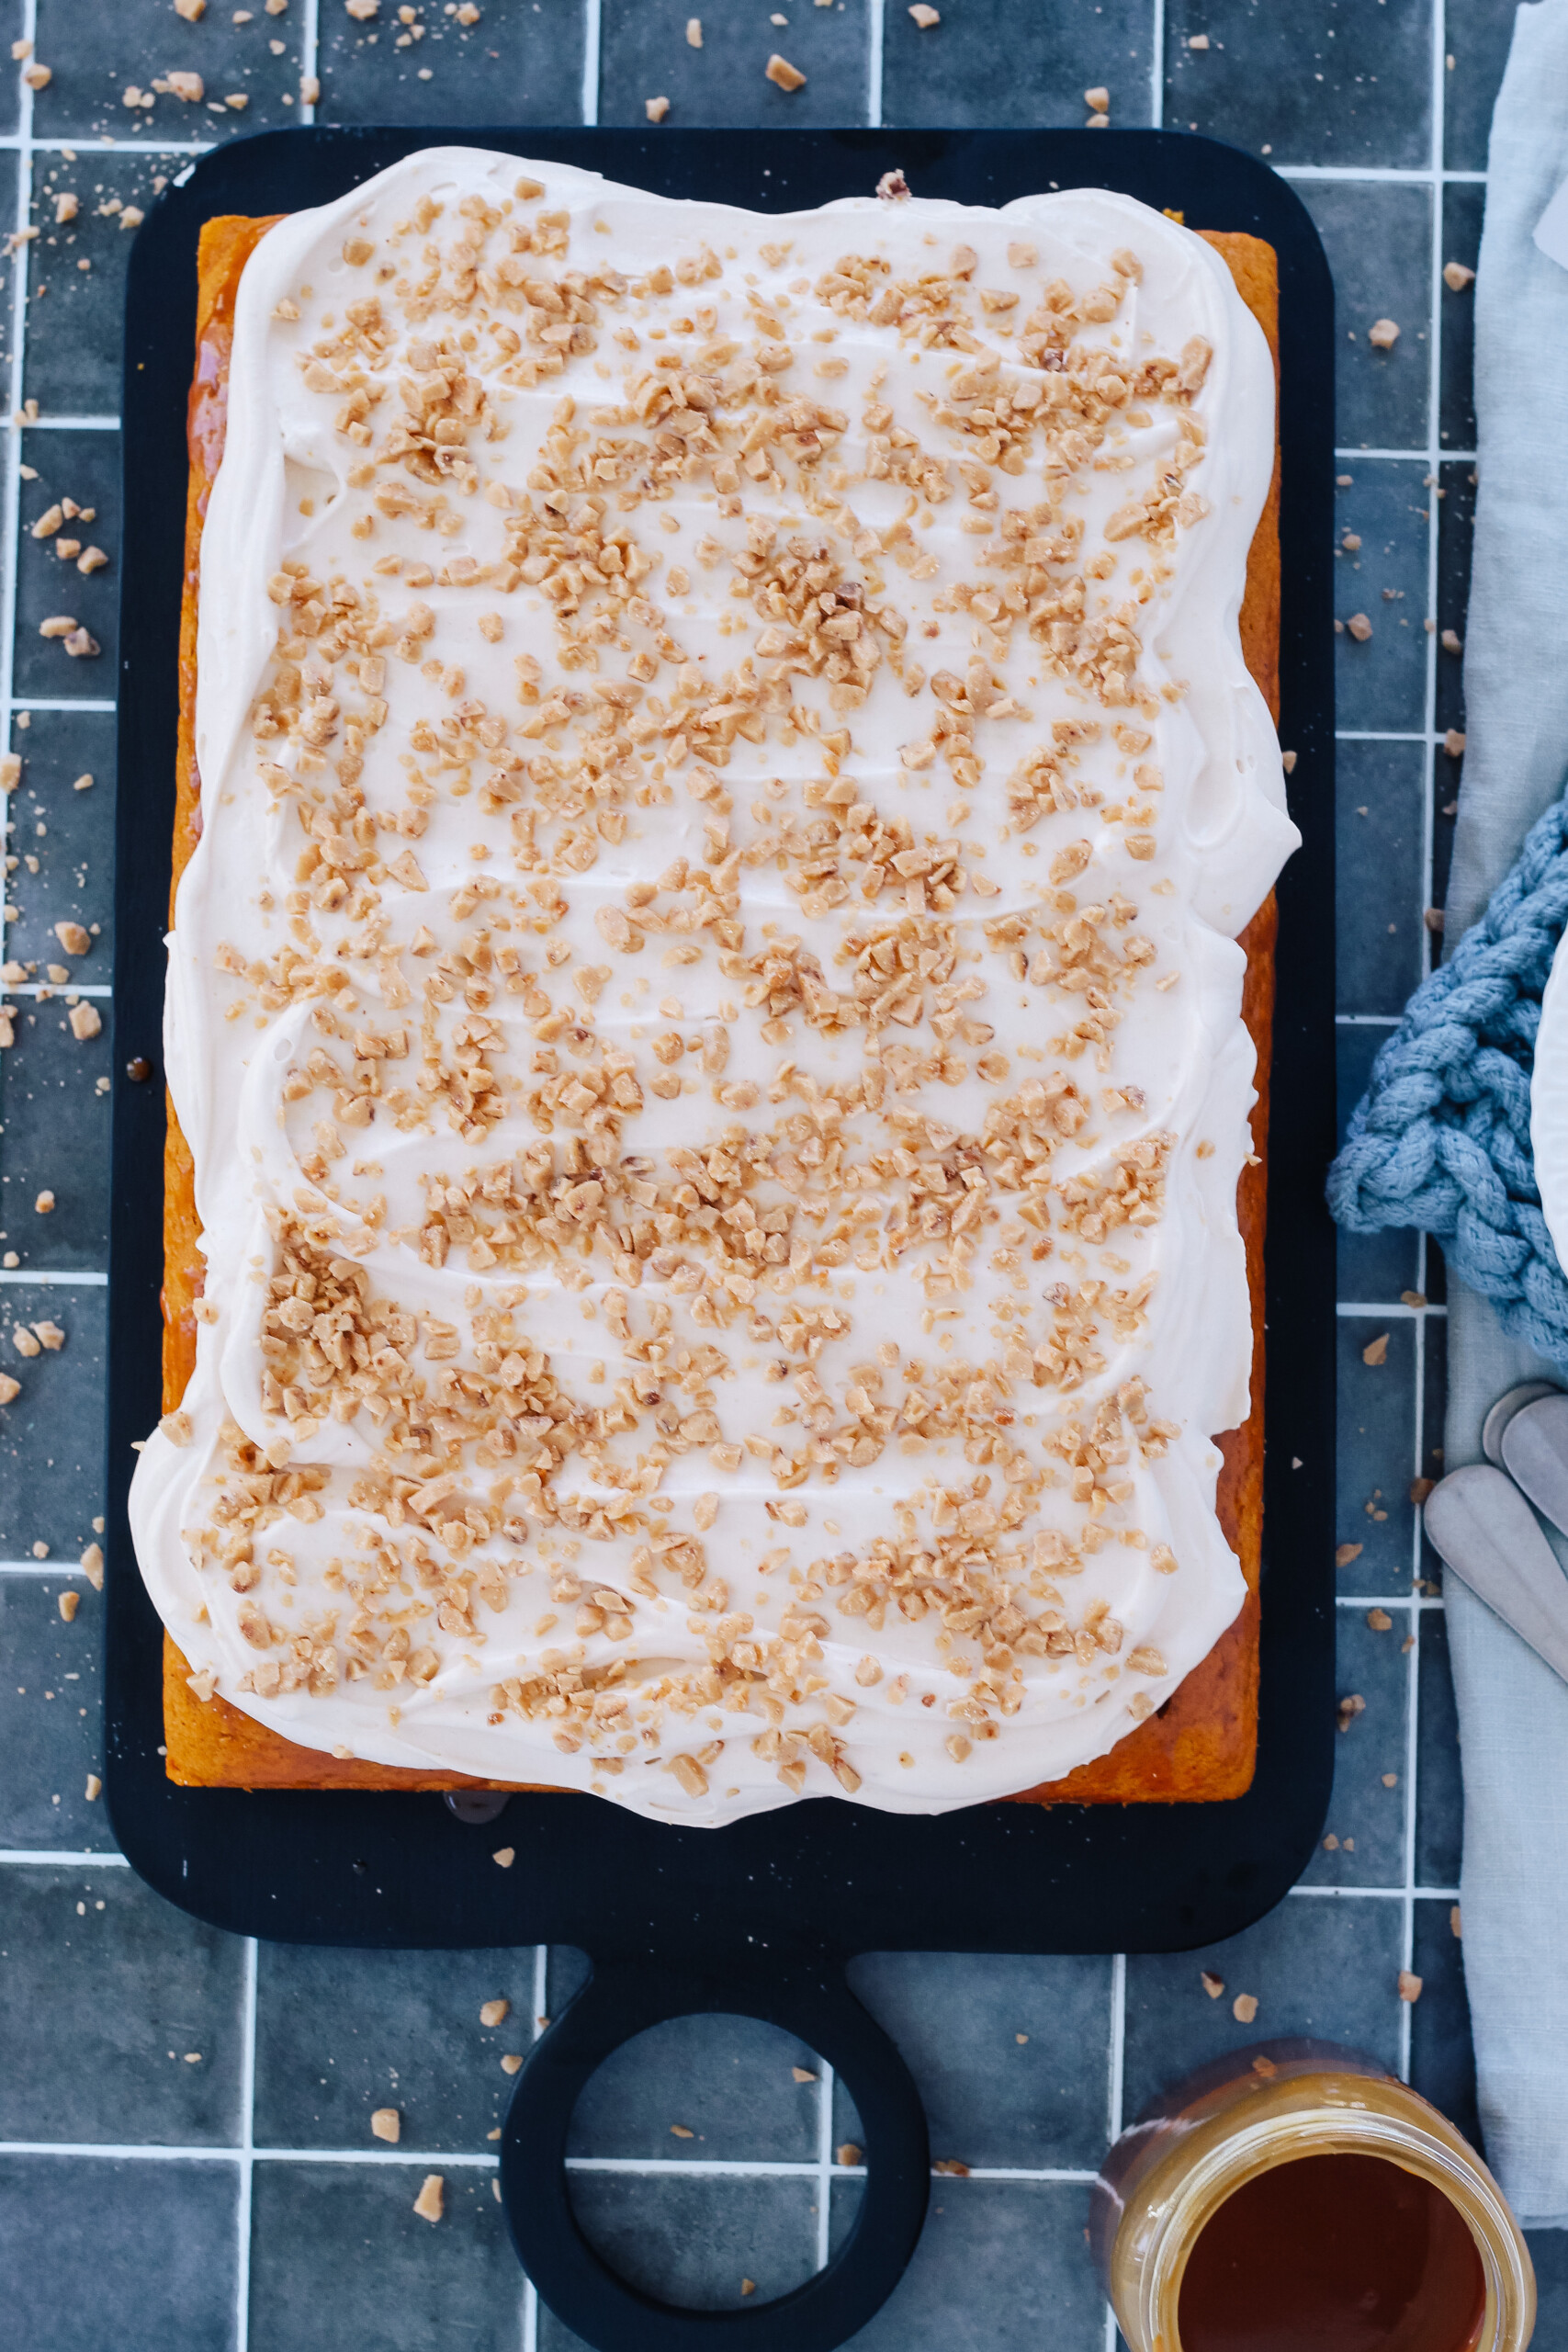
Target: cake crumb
1456,277
1213,1985
925,16
1382,335
847,2153
1379,1620
93,1789
1409,1985
386,2123
504,1855
1375,1352
1360,628
1243,2008
492,2012
656,108
68,1602
782,74
694,32
512,2062
428,2203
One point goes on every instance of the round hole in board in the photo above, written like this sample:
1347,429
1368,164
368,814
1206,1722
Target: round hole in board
700,2090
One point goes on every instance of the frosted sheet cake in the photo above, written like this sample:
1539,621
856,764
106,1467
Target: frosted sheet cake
705,1006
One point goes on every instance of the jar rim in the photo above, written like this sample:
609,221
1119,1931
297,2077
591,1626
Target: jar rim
1337,2129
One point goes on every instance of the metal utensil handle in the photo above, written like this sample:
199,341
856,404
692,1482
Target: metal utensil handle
812,2001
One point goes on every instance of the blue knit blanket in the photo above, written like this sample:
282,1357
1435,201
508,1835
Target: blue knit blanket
1441,1138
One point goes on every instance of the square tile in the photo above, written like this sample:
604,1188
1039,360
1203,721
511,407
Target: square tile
1001,2266
726,2081
330,2243
1324,1965
82,465
50,1717
11,20
693,2242
1381,680
1321,81
1442,2063
76,274
1464,202
52,1436
104,2255
1379,882
1376,1423
1440,1808
991,2097
1370,1265
341,2033
1476,34
71,836
522,62
948,73
1366,1817
644,54
1378,237
146,2008
97,54
1456,544
54,1131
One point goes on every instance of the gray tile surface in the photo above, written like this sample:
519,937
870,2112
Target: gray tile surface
949,73
340,2258
646,54
134,2251
50,1720
99,2254
122,2019
1378,237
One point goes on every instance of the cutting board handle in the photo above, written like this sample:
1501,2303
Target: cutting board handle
807,1999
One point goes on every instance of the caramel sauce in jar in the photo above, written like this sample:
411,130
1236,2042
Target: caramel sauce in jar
1297,2197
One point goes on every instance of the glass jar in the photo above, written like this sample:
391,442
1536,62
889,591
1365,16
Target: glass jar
1271,2103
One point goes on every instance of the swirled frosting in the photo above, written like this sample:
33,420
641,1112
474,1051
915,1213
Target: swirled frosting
706,1005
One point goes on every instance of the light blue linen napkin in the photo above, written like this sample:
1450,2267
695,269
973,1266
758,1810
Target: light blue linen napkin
1513,1710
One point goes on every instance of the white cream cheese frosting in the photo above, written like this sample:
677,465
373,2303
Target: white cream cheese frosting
706,1004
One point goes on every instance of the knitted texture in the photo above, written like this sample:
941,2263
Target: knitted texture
1441,1138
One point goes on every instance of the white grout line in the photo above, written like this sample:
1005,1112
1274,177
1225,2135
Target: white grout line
309,52
1404,1895
1384,735
1414,176
39,1568
55,990
247,2148
1351,1306
65,424
10,510
590,46
1156,67
103,144
1115,2072
541,1994
52,1281
825,2165
875,12
1387,1600
1413,456
1367,1020
58,1858
39,702
1418,1417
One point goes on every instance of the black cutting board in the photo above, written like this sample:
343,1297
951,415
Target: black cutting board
759,1917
